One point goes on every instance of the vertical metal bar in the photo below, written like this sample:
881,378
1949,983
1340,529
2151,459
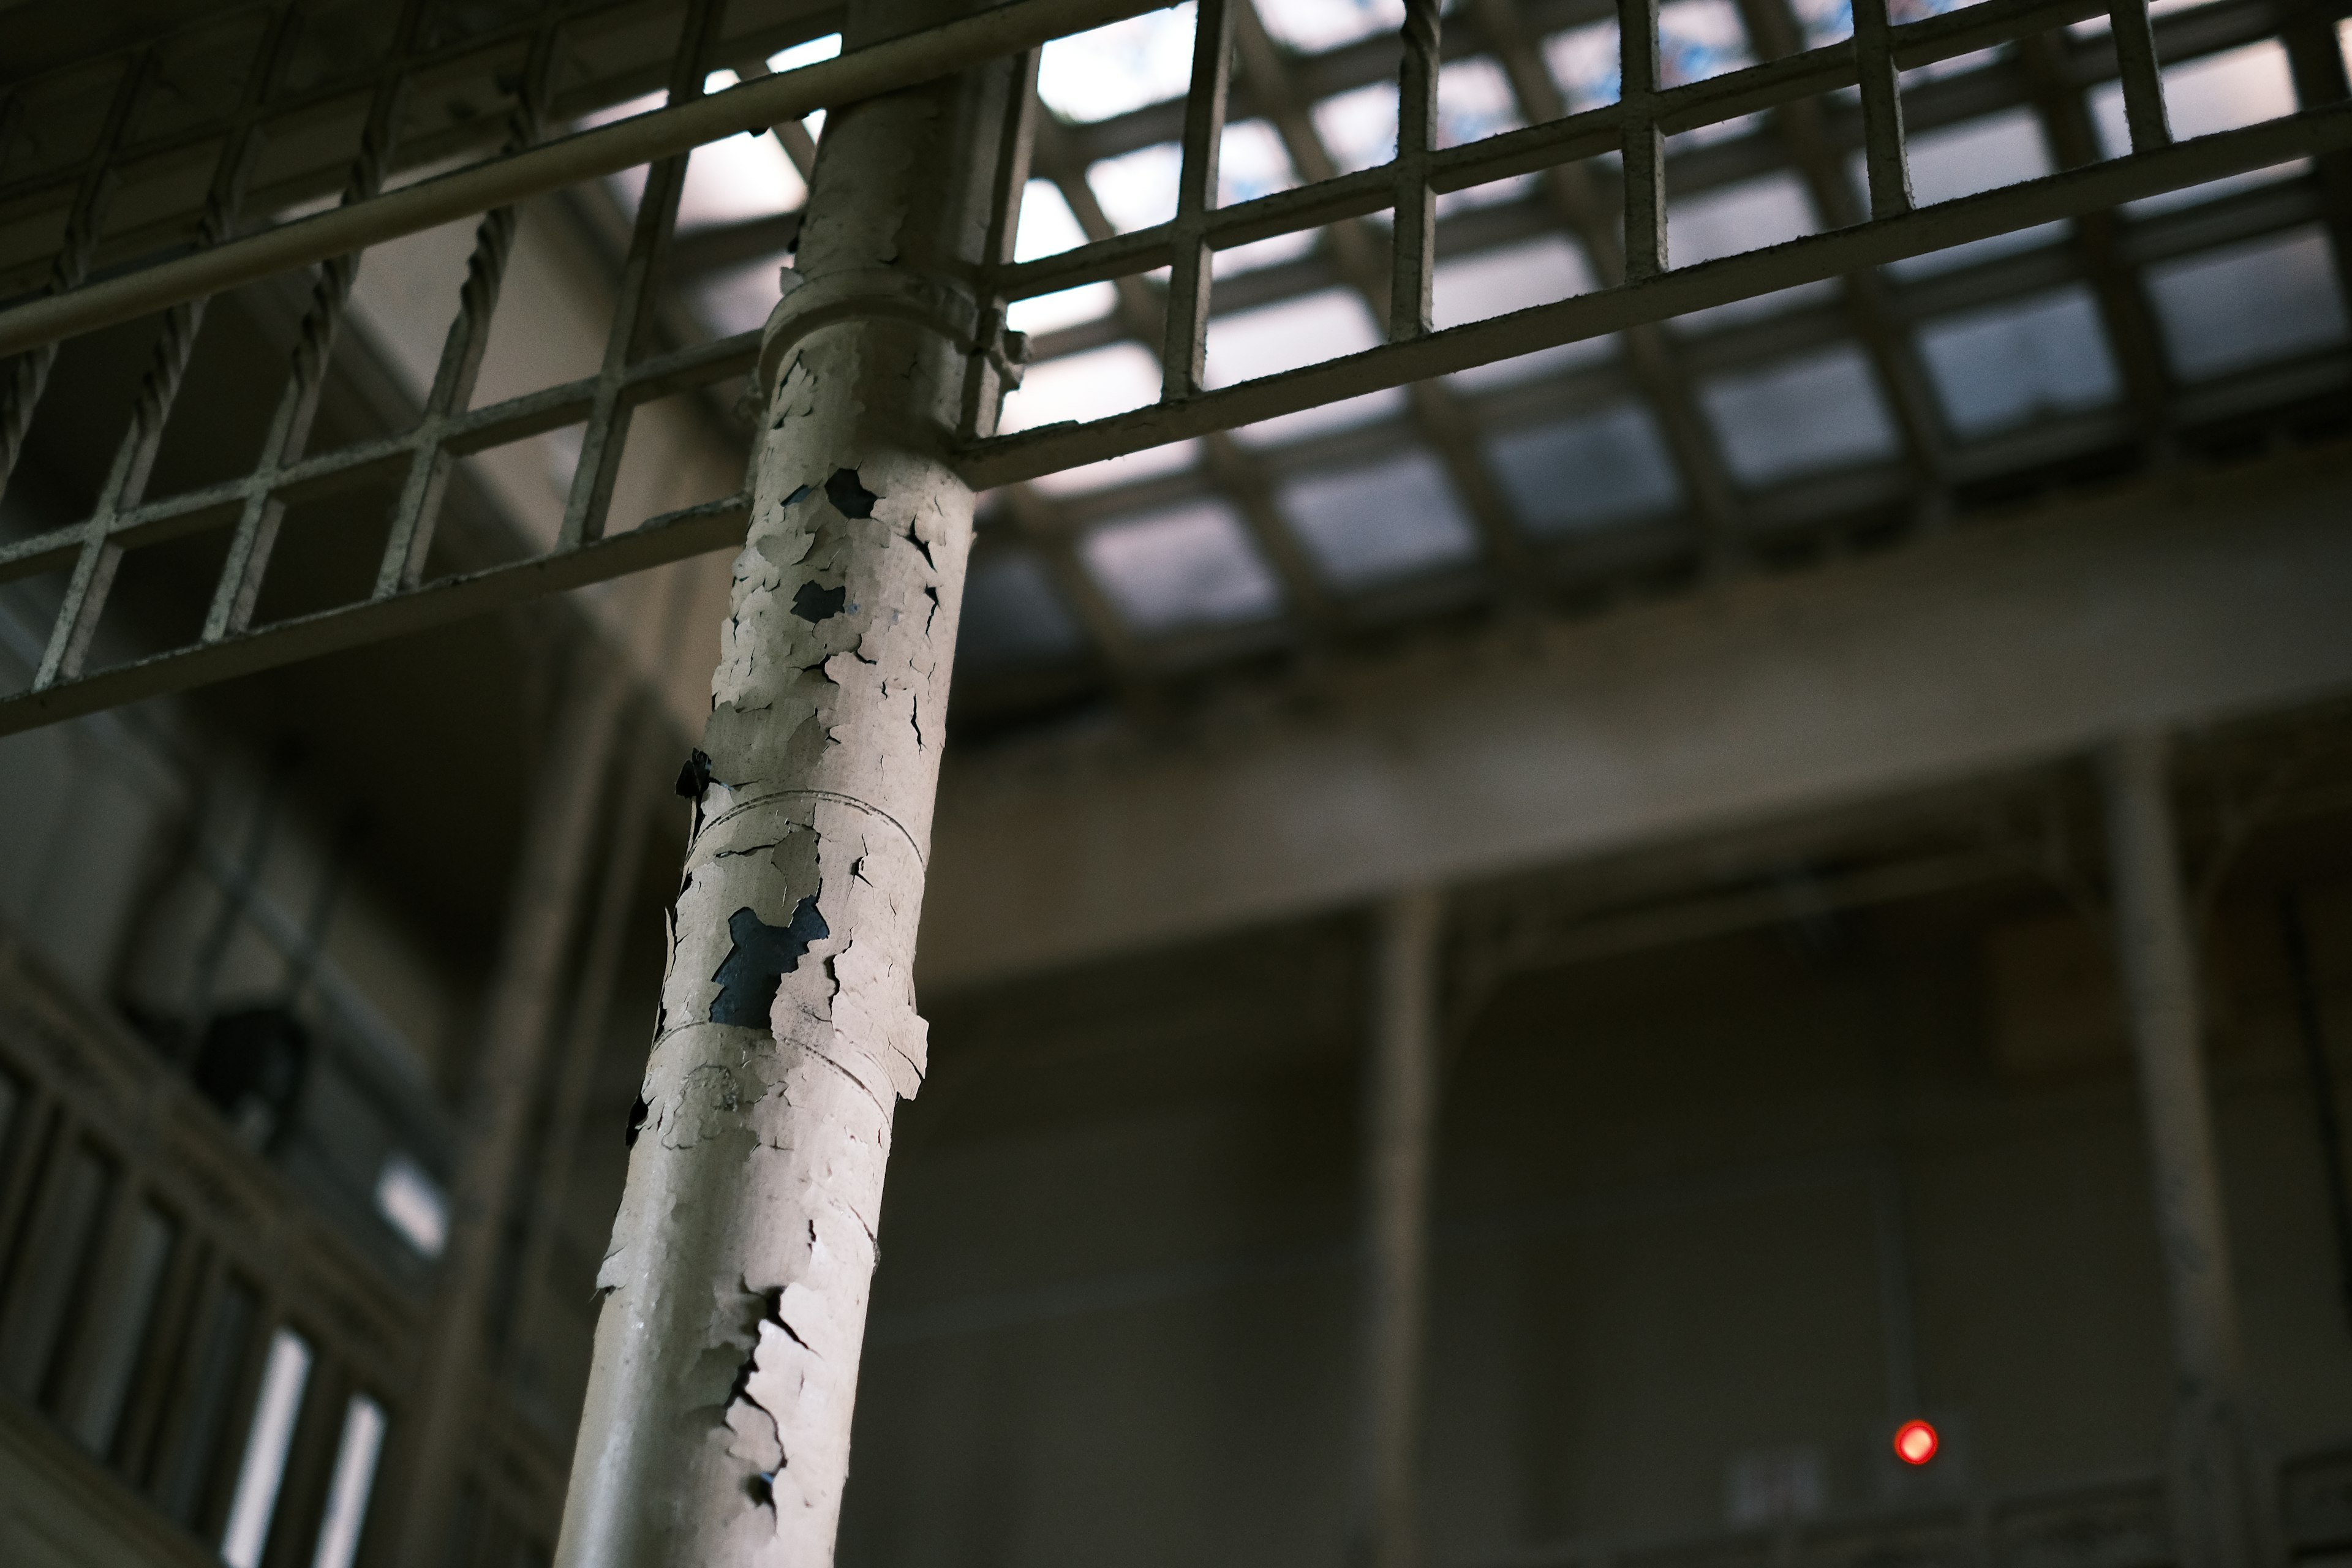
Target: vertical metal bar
1183,355
1414,262
2135,38
633,308
2320,1071
92,578
74,1359
2223,1504
586,1030
29,375
418,512
517,1029
236,891
1400,1126
1888,164
996,370
2315,58
38,1127
310,1460
154,1383
238,588
1644,144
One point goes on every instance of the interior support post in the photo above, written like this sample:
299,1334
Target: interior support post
1400,1130
2222,1501
717,1422
494,1117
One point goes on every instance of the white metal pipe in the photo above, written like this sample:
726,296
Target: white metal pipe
716,1427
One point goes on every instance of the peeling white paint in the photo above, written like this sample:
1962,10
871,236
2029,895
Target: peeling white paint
718,1416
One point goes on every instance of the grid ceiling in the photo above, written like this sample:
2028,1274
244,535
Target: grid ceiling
1816,418
1777,425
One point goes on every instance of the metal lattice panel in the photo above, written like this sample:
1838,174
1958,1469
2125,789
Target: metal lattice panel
129,185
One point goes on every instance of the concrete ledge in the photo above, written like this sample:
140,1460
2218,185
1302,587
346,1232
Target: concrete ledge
2202,597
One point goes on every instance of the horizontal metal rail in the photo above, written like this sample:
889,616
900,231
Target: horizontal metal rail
752,105
674,536
331,473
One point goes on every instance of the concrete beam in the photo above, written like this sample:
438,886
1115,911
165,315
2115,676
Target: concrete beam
2169,604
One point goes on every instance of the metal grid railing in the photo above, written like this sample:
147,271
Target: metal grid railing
1602,175
1634,130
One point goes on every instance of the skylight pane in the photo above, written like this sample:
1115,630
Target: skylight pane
2220,92
1069,307
1698,39
1274,338
1143,60
2248,304
1087,385
1799,416
1474,102
1047,227
1513,277
1251,163
1588,472
2000,368
1749,215
1138,189
1962,160
1190,565
1111,472
1372,524
1584,62
1311,27
1359,127
1826,21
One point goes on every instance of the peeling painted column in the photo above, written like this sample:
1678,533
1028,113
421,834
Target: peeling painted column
1400,1131
2222,1497
519,1018
717,1424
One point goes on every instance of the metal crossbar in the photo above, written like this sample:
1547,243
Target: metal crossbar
1603,172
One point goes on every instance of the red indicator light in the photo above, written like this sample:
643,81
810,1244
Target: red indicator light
1916,1442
